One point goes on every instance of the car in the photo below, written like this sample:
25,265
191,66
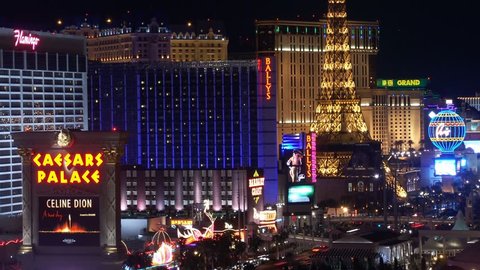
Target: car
320,248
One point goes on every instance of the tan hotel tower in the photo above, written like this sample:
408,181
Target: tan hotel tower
298,49
393,112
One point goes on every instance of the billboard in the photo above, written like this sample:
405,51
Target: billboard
300,194
292,157
311,157
70,216
68,221
446,166
255,191
298,157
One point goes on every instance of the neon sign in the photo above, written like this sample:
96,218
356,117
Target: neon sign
442,131
447,131
68,168
21,39
181,222
391,83
268,216
256,186
268,77
310,153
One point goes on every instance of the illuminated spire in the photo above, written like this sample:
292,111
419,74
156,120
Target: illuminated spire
338,117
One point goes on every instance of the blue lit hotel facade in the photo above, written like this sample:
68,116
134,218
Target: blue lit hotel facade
42,88
195,128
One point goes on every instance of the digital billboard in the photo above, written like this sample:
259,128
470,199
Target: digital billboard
255,191
300,194
446,166
68,221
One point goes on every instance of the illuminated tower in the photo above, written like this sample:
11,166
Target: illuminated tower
338,118
338,114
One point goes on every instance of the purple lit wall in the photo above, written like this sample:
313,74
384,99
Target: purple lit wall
267,129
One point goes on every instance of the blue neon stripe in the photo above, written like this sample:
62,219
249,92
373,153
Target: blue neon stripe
214,120
100,98
197,86
147,91
223,120
189,122
112,104
240,114
232,120
181,119
206,116
172,109
164,98
125,118
156,117
139,118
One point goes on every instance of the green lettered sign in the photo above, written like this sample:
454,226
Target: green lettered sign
403,83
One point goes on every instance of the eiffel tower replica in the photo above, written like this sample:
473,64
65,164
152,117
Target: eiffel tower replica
339,121
344,146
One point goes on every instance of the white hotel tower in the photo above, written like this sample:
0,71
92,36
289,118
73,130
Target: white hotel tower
42,87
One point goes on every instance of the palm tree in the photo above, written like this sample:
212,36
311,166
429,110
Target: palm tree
422,143
410,143
398,145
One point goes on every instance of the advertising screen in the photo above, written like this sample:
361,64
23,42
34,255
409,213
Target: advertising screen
68,221
446,167
300,194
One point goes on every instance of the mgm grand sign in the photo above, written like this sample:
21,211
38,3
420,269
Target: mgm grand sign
71,200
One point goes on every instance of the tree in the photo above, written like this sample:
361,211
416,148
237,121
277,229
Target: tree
398,145
422,145
357,265
255,242
410,143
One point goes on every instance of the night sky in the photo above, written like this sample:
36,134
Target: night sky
419,38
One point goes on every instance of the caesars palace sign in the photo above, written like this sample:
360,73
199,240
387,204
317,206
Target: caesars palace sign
69,168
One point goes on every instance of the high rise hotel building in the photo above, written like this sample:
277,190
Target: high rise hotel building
394,114
473,101
151,43
195,129
42,87
297,47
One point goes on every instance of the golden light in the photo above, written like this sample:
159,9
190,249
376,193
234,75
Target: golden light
59,22
189,24
109,20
